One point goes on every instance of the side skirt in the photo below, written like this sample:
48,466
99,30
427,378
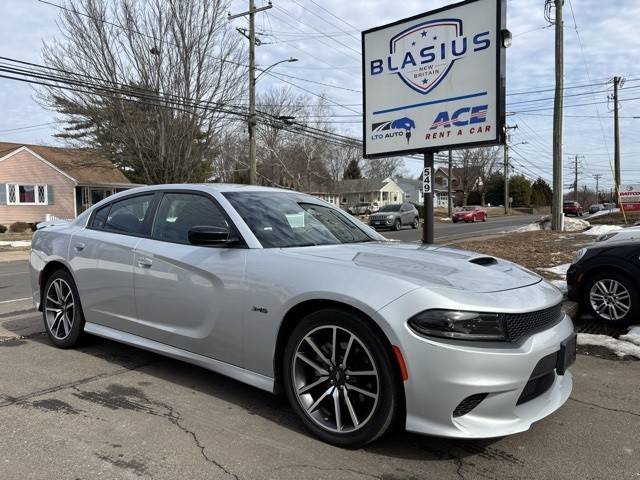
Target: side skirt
246,376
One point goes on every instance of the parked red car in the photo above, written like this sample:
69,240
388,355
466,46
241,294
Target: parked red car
572,208
470,214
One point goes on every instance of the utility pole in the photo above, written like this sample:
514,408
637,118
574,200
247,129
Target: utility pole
557,217
506,167
617,82
575,178
253,165
449,188
597,176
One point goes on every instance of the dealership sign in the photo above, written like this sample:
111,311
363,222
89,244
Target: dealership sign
630,197
435,81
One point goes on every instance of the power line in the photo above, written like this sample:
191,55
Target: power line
584,63
324,20
321,32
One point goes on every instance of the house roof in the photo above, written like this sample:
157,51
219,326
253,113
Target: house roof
407,184
83,165
360,185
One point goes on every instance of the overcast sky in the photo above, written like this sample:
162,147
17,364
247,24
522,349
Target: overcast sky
327,44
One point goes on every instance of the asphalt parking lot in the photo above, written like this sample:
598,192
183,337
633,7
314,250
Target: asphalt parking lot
116,412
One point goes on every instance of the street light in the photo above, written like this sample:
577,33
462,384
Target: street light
263,71
253,165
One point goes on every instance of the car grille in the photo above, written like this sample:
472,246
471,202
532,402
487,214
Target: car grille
519,326
377,218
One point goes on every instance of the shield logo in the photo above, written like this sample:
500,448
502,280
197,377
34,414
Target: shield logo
436,40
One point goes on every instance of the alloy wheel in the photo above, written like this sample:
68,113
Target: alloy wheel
335,379
59,309
610,299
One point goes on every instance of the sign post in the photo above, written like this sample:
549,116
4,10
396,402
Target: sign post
427,190
433,82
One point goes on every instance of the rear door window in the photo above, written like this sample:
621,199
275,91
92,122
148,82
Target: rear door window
128,216
100,217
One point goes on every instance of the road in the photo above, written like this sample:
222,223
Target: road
110,411
447,231
15,287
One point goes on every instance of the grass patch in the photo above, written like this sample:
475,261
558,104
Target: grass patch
533,250
616,219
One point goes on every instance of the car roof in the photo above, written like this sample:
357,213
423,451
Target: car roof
196,187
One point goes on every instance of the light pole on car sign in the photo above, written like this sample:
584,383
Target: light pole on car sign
435,81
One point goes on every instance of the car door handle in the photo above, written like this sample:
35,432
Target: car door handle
79,247
144,262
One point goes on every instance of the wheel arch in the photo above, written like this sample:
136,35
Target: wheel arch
304,308
45,274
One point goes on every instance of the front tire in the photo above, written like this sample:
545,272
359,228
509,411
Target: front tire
62,311
397,225
612,298
339,378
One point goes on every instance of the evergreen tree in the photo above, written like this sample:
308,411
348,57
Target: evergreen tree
352,171
541,193
520,191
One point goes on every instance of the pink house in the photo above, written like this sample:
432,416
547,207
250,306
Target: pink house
39,182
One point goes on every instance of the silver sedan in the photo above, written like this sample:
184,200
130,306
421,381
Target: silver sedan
284,292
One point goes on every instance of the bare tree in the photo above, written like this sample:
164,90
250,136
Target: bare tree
381,168
165,70
487,162
274,141
339,156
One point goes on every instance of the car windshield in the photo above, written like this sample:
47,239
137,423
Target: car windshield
569,204
283,219
391,208
468,209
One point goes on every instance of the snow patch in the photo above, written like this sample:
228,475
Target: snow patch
570,224
560,270
620,347
598,230
531,227
560,285
15,243
633,336
602,213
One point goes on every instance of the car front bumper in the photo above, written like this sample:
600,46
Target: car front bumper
443,373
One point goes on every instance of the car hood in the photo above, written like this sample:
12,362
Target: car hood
427,266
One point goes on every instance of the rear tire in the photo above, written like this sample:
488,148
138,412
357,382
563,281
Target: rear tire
62,311
355,409
416,223
609,295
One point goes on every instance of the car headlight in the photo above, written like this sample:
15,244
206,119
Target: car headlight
389,217
579,255
459,325
606,236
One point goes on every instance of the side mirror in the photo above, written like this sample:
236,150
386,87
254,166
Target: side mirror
210,235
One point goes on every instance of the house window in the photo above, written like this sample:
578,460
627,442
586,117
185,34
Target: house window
22,194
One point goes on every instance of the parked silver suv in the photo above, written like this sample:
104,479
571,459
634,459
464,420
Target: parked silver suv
363,208
395,216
